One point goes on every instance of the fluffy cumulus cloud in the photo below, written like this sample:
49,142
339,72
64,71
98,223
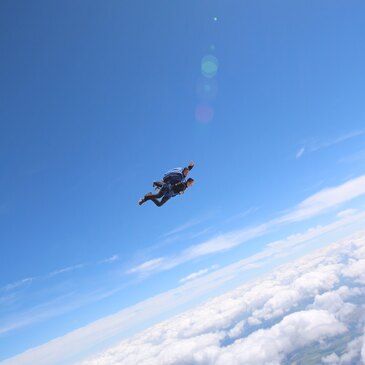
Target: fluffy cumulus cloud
350,356
312,308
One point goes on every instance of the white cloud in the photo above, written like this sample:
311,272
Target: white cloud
66,269
201,332
282,247
319,203
300,153
53,308
353,349
261,347
325,200
225,242
315,145
148,266
356,270
355,157
270,346
197,274
241,215
111,259
337,140
237,330
8,299
331,359
350,356
314,232
230,240
184,227
347,212
291,302
38,313
333,302
17,284
168,344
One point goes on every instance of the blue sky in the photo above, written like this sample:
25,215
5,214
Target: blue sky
98,99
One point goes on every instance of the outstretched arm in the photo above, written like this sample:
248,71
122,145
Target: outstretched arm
191,165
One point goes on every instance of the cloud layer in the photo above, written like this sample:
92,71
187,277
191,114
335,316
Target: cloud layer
313,300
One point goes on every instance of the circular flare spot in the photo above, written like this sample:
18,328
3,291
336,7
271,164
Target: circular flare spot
204,113
209,66
206,89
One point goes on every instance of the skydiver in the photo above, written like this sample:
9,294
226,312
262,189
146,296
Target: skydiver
174,176
166,192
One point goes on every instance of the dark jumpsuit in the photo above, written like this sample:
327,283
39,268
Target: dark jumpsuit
166,192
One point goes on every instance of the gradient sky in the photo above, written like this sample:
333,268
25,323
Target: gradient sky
98,99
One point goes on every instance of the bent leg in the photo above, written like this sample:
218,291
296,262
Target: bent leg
161,202
154,196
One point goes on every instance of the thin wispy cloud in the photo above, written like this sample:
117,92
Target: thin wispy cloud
243,214
111,259
355,157
38,313
346,212
337,140
325,200
29,280
66,270
217,244
272,249
284,247
182,232
183,227
147,266
59,305
300,152
319,203
17,284
225,242
8,299
200,233
316,232
314,146
52,274
53,308
198,274
172,239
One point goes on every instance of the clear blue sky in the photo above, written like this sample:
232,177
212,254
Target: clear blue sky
99,98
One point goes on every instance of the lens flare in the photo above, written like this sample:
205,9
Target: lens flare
209,66
207,89
204,113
